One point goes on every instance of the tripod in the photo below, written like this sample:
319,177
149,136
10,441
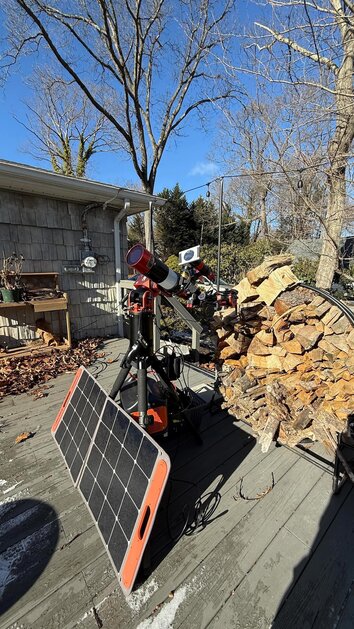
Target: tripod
140,355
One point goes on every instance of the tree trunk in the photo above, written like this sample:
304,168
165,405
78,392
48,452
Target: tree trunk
338,152
149,239
331,235
263,217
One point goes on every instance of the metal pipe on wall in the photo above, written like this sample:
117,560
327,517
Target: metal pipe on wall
118,262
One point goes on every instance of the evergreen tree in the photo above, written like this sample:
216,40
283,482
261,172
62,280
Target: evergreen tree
235,231
175,226
206,219
136,232
206,216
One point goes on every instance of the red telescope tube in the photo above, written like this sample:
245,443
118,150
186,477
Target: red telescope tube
147,264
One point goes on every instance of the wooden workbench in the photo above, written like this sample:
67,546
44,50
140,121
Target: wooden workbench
39,305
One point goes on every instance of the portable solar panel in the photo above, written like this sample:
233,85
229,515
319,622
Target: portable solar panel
77,421
122,483
120,470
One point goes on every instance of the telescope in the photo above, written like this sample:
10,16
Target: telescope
167,280
149,395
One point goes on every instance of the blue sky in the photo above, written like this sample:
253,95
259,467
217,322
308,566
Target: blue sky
186,159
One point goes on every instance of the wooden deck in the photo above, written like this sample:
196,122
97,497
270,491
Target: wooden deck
284,560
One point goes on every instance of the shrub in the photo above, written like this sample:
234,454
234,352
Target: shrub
237,260
172,263
306,269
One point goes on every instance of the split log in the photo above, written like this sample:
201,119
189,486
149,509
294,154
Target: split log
293,346
267,337
239,342
245,291
332,316
271,363
281,279
308,337
261,272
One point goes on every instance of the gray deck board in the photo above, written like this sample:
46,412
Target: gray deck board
286,558
271,579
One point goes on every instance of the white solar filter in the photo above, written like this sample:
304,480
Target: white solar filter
120,470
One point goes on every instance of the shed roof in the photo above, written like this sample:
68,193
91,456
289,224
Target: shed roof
33,180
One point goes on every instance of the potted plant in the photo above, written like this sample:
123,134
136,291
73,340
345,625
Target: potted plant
10,275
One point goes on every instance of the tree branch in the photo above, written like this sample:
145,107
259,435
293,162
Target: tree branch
301,49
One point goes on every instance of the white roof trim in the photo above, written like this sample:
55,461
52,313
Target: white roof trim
32,180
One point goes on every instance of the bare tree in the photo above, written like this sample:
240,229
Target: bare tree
159,60
245,137
66,128
274,146
310,43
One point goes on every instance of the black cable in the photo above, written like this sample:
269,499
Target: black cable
204,508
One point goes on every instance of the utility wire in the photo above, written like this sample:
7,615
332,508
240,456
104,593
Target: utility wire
255,174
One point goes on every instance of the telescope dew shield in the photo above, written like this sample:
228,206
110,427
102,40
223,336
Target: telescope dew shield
147,264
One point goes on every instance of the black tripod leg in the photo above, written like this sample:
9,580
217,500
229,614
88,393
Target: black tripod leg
142,393
119,381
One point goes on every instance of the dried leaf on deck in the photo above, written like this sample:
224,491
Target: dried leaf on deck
24,436
19,375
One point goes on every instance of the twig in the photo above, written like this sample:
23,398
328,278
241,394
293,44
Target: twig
259,496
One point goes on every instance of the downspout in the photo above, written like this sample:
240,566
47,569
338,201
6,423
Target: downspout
118,262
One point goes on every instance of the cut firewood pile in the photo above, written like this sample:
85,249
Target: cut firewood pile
20,375
286,359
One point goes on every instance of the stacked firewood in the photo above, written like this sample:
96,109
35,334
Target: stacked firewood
286,358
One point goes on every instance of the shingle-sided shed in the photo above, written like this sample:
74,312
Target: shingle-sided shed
42,216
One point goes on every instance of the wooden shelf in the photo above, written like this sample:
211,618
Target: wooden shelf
36,350
12,304
38,305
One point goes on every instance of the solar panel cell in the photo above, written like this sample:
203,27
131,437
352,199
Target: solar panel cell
133,439
104,476
137,486
102,437
76,465
115,493
121,421
96,500
112,452
117,546
94,460
87,483
127,515
106,521
147,456
124,467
